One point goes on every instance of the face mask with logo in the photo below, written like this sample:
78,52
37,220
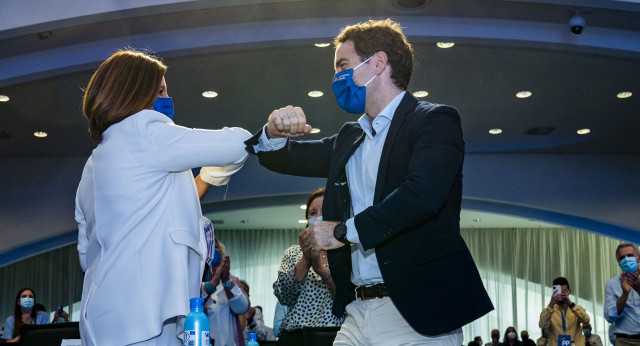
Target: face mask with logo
586,332
629,264
164,105
350,97
26,303
511,335
495,336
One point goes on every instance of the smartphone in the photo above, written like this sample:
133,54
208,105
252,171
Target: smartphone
556,289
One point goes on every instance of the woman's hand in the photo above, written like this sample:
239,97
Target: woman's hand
26,318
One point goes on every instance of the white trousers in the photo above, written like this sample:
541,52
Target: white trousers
377,322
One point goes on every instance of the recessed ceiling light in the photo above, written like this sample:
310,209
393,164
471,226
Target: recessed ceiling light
624,94
583,131
4,98
495,131
523,94
40,134
420,93
315,93
315,130
303,206
209,94
322,45
303,221
445,44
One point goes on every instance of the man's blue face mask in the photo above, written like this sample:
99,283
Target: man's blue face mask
350,97
164,105
629,264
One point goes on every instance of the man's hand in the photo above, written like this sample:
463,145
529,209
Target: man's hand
555,299
321,236
287,122
630,280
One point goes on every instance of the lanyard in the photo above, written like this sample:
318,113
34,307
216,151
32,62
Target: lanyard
563,313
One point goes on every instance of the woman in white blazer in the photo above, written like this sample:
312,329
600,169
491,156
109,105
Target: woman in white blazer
140,237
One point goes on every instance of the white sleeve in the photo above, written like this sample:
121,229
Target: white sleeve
176,148
269,144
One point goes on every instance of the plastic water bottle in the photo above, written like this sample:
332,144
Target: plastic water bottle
252,340
196,325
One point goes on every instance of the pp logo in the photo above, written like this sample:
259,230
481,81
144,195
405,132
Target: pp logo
566,343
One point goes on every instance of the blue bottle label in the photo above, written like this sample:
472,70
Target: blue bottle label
190,338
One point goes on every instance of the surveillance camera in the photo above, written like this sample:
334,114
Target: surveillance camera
576,24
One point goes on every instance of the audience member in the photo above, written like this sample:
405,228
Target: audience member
525,339
278,317
510,338
304,283
24,312
253,321
621,298
478,340
495,338
473,343
542,340
138,215
562,316
590,339
224,302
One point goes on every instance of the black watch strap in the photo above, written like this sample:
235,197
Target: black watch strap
340,233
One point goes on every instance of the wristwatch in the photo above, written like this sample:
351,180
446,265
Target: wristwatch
340,233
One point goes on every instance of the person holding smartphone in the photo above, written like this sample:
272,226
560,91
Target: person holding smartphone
563,317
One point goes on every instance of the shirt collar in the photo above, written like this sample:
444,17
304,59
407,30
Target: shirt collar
387,113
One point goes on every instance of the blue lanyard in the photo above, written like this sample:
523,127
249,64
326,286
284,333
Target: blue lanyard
563,313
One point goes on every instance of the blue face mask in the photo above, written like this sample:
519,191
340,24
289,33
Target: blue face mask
26,303
629,264
350,97
164,105
586,332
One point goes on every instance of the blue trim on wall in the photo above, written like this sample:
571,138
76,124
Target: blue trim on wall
24,251
579,222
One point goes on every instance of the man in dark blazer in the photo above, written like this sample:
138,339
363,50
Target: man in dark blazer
402,271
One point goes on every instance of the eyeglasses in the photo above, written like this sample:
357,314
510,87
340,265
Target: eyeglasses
623,257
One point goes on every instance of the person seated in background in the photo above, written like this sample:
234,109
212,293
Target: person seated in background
542,341
278,317
224,302
305,285
478,340
24,313
510,338
253,321
525,339
495,338
590,339
473,343
562,316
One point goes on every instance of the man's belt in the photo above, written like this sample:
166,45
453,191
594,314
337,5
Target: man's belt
371,291
627,336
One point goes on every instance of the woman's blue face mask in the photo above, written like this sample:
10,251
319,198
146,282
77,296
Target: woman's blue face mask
164,105
350,96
